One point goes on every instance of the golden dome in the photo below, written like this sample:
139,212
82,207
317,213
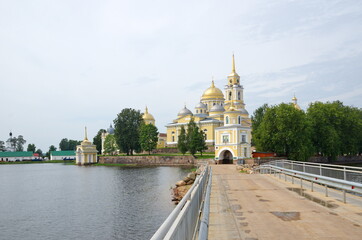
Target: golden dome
212,93
148,116
296,106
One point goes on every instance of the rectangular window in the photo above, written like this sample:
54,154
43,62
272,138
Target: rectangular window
225,138
245,152
243,138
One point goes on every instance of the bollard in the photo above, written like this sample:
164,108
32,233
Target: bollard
326,190
344,196
312,186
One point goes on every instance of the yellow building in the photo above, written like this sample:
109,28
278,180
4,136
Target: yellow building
86,152
225,121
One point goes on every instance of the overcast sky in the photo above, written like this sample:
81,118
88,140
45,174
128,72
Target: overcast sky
69,64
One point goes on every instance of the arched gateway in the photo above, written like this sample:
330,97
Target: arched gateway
225,157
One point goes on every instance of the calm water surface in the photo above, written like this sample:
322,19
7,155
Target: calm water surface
56,201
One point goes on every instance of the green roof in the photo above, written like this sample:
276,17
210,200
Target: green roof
62,153
16,154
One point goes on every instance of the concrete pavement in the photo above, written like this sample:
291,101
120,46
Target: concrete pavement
255,206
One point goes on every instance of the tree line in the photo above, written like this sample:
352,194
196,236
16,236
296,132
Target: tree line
326,129
131,134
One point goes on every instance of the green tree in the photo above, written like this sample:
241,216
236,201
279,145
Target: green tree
201,145
52,148
192,137
31,148
148,137
13,141
110,145
40,152
2,146
256,120
97,140
20,141
286,131
66,145
336,128
182,141
127,125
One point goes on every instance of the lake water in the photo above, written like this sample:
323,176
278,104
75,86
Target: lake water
57,201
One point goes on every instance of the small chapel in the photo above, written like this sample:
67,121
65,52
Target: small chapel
86,152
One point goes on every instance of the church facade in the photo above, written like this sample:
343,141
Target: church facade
223,118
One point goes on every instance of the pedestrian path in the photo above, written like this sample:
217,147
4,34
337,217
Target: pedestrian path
255,206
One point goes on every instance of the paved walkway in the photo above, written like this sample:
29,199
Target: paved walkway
256,206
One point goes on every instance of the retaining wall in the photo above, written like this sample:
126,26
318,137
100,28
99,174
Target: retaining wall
149,160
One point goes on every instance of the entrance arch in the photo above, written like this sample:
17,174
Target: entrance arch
226,157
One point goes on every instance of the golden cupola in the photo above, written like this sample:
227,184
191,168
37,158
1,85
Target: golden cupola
148,118
295,104
212,93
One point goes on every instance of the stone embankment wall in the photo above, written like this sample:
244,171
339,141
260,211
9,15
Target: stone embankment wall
149,160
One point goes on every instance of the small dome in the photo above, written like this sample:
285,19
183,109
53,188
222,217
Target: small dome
244,111
201,105
110,130
212,93
185,111
217,108
148,116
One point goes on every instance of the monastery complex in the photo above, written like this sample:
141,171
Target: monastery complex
221,116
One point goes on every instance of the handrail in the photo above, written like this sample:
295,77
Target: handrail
204,225
340,178
170,224
333,182
353,174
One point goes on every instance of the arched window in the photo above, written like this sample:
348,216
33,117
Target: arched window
214,104
239,120
227,120
229,95
238,95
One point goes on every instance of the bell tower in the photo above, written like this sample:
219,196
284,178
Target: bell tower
234,92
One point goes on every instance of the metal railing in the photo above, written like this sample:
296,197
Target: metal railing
345,178
184,220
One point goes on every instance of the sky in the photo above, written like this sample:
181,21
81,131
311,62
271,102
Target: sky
67,64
